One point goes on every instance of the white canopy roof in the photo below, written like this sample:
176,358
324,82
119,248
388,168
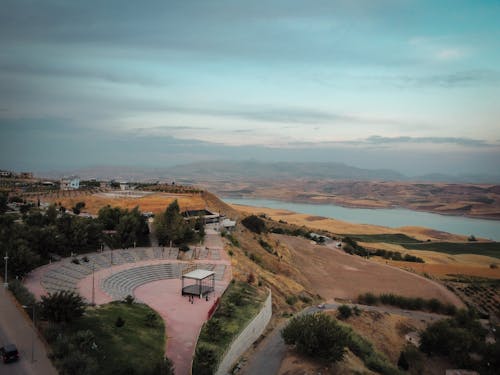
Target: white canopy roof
198,274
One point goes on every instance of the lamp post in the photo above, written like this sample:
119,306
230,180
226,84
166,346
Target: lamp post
6,258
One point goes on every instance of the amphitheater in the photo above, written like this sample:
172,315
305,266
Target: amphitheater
142,266
150,274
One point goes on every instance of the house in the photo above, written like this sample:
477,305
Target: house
27,175
71,183
5,173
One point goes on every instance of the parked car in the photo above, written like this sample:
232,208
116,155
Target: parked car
9,353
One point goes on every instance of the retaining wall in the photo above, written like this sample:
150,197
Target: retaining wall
246,338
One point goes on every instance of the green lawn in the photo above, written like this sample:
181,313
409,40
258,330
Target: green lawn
491,249
134,345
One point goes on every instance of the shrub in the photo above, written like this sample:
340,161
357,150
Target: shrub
129,299
291,300
62,306
344,311
254,224
316,335
205,361
184,247
368,299
266,246
119,322
21,293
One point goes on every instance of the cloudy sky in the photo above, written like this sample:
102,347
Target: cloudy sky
408,85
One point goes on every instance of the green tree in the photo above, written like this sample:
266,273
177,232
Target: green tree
317,335
344,311
254,224
3,202
204,361
62,306
171,226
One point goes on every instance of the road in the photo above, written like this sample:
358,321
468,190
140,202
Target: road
267,359
15,328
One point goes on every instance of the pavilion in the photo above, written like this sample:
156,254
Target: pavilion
204,283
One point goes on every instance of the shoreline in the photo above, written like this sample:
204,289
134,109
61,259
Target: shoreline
367,207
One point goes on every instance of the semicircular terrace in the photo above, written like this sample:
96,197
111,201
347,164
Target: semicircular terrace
65,275
121,284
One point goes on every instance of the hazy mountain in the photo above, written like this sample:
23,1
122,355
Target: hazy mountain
254,170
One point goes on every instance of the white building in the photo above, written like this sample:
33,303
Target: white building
72,183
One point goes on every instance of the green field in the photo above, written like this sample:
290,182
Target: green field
491,249
135,346
397,238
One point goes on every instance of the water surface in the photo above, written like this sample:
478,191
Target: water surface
387,217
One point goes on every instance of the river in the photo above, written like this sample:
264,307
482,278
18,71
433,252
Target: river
387,217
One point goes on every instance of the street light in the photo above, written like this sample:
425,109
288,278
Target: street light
6,258
32,332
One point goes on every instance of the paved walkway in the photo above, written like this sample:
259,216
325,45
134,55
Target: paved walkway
16,328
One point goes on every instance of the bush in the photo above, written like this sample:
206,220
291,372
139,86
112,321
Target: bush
205,361
21,293
316,335
344,311
129,299
266,246
119,322
62,306
368,299
254,224
291,300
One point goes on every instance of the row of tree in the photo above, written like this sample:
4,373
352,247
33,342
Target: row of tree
38,235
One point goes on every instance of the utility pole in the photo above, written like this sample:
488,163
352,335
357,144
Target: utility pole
6,258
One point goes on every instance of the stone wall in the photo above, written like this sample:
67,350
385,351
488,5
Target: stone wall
246,338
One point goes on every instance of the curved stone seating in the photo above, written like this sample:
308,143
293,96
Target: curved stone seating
67,276
123,283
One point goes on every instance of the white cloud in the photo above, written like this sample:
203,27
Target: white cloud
447,54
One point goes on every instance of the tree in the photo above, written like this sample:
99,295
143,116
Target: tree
204,361
62,306
316,335
254,224
171,226
78,208
3,202
344,311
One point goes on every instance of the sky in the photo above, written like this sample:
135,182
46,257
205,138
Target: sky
407,85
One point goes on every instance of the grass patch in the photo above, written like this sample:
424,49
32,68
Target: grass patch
136,344
397,238
238,306
491,249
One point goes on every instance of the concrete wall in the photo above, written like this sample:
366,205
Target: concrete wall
246,338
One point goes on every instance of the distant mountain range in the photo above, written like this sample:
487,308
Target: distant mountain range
254,170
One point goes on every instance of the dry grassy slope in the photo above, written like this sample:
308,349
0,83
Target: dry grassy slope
273,271
155,202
